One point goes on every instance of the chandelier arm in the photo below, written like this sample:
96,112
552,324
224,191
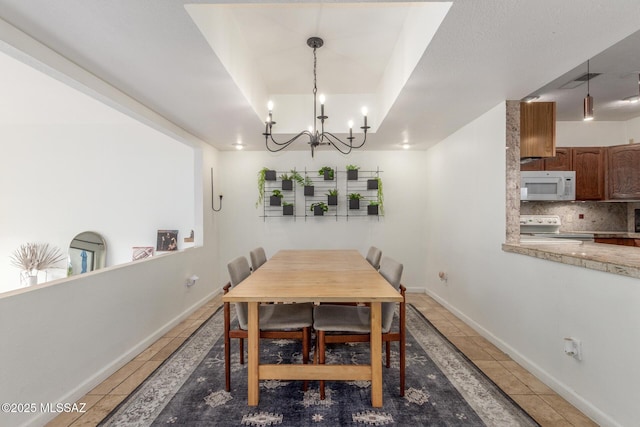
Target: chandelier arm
333,140
286,143
350,145
274,150
282,145
337,147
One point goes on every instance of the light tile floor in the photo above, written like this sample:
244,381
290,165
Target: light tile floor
545,406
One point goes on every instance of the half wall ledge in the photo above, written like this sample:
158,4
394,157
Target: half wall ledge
621,260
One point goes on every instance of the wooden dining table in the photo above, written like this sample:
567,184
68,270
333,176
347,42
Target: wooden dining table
318,276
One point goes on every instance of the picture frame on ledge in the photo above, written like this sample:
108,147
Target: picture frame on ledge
142,252
167,240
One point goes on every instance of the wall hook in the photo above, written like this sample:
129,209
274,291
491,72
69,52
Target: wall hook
212,205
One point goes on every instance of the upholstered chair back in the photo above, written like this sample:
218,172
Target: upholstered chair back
373,256
258,257
391,270
238,271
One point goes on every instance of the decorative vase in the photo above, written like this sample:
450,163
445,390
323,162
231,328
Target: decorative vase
354,203
352,174
32,279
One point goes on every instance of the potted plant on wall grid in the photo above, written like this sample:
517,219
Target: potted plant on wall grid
352,172
276,198
354,200
319,208
327,172
380,196
372,184
287,182
332,197
309,188
379,202
287,208
264,174
295,175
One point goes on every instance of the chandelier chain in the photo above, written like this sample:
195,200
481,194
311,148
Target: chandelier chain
315,62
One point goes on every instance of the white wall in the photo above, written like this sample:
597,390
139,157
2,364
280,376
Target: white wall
590,134
397,234
526,305
594,134
71,164
61,339
124,181
633,130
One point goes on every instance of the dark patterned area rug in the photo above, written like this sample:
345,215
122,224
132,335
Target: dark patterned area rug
443,388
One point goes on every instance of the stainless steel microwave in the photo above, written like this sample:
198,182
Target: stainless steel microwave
548,185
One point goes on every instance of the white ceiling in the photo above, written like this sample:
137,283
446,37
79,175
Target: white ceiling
265,51
619,69
485,51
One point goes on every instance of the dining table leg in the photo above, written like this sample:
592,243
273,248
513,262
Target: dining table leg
253,330
376,354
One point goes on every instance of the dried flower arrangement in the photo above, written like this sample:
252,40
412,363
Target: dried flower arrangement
34,257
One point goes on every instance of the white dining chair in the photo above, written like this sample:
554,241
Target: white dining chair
277,321
373,257
344,324
258,257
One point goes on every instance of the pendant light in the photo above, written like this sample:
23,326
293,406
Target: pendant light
588,100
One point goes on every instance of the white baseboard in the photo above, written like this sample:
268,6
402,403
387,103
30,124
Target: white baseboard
93,381
583,405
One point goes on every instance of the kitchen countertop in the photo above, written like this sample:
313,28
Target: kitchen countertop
606,234
601,233
623,260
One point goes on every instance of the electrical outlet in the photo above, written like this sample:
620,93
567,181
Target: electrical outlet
580,216
573,347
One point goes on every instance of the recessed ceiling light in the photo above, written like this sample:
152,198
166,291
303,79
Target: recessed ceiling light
238,145
406,146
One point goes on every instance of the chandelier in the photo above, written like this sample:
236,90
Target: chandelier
316,136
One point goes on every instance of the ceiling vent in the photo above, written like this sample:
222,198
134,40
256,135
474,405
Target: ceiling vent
572,84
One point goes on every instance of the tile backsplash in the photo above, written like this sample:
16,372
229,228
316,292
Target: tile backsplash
597,216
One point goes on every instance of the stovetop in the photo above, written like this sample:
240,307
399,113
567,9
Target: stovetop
547,224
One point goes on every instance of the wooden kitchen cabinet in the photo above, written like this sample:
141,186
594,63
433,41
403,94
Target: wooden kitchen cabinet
533,165
589,164
621,241
623,162
537,129
561,162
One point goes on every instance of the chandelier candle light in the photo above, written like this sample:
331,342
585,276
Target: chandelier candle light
316,137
